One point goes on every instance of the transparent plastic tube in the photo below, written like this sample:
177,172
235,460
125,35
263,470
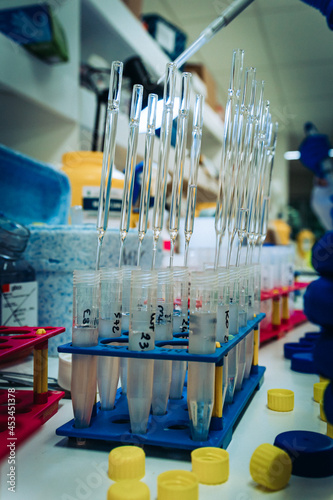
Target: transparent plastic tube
193,177
222,325
202,340
180,326
132,147
84,334
233,330
177,181
234,300
257,288
126,297
232,372
146,173
163,331
251,313
108,153
243,296
141,338
110,311
163,155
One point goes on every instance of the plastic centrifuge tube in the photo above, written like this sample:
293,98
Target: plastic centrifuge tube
110,307
108,154
177,181
180,326
163,156
147,169
222,325
163,331
193,177
84,334
141,338
233,330
126,298
202,340
132,146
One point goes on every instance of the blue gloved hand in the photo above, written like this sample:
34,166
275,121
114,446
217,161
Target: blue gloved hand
322,255
325,7
314,149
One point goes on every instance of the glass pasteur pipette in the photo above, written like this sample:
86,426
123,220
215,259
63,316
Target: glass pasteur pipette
147,169
254,171
177,182
108,154
244,156
263,139
163,157
228,15
132,147
193,177
266,189
228,148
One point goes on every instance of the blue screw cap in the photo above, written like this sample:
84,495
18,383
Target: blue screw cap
311,453
322,355
291,348
303,362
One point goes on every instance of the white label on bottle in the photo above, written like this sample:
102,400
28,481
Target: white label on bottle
165,36
19,305
90,196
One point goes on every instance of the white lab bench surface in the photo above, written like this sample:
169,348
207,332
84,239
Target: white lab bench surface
49,467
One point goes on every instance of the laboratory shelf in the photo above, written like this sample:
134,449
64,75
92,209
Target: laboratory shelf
170,430
159,352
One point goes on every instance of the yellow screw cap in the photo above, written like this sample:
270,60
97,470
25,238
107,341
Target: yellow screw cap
126,462
318,390
40,331
322,412
177,484
270,466
280,399
210,465
323,379
129,489
329,430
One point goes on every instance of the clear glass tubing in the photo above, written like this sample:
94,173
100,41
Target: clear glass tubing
163,331
110,313
202,340
132,146
147,170
180,320
178,173
163,155
84,334
108,153
143,306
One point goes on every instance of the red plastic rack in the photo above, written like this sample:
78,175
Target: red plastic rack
23,412
282,321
